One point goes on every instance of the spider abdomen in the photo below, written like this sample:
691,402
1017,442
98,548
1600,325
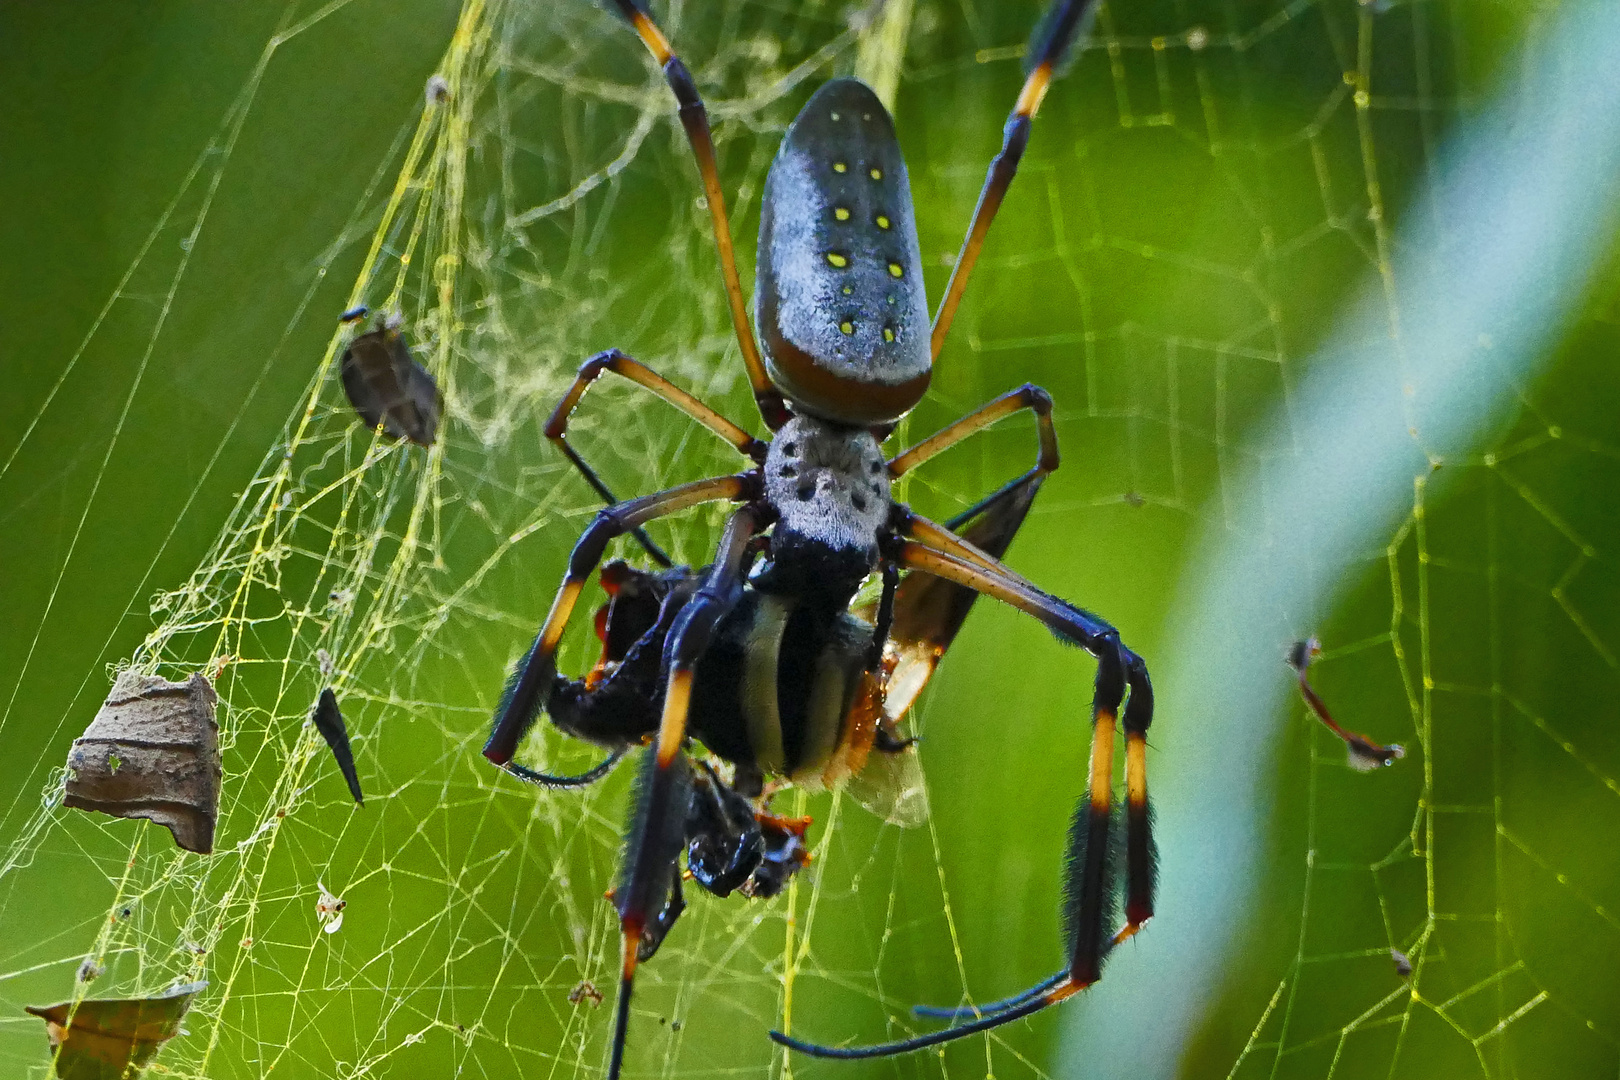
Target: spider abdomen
843,317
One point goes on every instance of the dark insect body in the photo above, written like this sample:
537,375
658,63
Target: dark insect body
760,656
386,385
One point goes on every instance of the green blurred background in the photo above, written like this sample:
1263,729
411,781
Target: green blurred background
194,190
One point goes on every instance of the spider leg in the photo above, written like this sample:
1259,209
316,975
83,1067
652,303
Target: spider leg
548,780
1088,890
619,364
537,671
957,1012
1053,37
1028,396
695,119
929,611
664,793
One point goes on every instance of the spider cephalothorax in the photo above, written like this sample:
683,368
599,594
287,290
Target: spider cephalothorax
759,656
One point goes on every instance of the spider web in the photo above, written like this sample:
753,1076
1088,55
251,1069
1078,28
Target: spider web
1205,190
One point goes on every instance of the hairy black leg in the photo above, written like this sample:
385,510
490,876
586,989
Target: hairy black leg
658,825
549,780
536,673
1088,893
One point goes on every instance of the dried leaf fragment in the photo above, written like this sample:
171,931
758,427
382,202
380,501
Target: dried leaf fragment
329,722
1403,963
387,386
152,752
585,990
113,1039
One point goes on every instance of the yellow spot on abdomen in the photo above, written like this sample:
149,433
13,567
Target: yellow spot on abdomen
837,260
877,174
882,222
839,166
896,270
846,327
841,213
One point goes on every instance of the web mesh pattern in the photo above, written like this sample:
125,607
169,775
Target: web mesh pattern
546,208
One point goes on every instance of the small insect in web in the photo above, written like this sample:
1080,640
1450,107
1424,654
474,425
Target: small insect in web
1365,755
759,657
329,909
386,385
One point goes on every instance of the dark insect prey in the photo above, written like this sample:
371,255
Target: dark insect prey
763,656
386,385
329,722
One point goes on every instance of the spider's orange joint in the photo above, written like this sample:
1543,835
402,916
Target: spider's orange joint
632,941
1064,990
1029,99
654,37
672,728
1136,769
794,825
1102,761
1126,932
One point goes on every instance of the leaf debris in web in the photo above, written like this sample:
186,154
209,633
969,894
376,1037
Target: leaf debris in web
113,1039
329,722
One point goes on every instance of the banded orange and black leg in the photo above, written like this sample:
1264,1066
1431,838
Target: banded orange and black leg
1088,891
532,680
695,119
646,901
1050,45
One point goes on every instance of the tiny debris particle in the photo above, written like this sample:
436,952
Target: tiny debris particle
1403,963
437,89
89,971
585,991
329,722
1365,755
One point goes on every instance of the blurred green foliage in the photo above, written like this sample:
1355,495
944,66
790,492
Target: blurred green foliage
1202,196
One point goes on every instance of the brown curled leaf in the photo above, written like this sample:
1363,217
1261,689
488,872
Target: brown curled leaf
387,386
329,722
113,1039
152,752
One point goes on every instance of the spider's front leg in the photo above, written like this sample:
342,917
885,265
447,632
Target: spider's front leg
645,377
536,674
664,789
